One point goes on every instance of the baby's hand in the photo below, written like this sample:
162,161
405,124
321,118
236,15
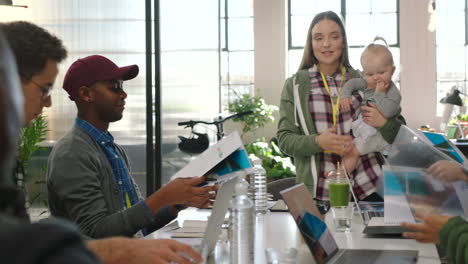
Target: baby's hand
345,104
382,86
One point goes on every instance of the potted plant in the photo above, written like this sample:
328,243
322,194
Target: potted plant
30,137
262,112
459,122
276,164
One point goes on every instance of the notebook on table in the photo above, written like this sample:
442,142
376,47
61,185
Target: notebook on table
321,242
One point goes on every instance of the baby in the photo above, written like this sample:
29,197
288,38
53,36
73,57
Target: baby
376,87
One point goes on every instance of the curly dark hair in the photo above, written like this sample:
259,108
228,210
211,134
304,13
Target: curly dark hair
32,47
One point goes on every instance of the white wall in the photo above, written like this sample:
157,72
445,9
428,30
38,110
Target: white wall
417,52
270,36
418,64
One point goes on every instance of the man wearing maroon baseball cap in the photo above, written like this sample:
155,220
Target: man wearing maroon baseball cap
88,173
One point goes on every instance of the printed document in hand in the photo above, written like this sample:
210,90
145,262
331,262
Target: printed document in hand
220,161
408,188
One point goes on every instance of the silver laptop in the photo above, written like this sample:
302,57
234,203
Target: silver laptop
320,240
370,210
216,219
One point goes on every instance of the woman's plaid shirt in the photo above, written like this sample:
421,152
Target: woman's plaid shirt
369,167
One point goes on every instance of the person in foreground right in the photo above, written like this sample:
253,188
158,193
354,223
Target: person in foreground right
449,171
450,232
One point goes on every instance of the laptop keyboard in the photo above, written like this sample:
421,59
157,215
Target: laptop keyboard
371,209
359,256
368,256
375,214
367,215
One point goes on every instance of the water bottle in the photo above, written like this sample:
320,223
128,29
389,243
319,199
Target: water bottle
241,226
258,187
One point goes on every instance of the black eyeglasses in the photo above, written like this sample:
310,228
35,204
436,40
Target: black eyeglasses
45,90
114,85
117,85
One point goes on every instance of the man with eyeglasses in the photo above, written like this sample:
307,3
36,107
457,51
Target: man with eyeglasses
37,55
45,90
37,58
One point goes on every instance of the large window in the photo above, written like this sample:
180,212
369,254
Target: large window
364,19
115,29
206,58
452,48
237,45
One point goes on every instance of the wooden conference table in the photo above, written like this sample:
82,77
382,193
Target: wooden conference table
278,230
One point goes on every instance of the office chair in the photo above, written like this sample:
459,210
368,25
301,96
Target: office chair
275,187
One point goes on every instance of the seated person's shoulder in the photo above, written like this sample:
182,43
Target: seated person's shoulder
73,144
64,243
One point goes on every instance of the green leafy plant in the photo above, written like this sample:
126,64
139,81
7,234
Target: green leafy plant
30,137
458,118
276,164
262,112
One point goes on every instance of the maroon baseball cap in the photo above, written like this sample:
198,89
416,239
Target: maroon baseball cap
86,71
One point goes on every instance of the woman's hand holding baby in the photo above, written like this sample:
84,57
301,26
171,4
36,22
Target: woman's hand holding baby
330,141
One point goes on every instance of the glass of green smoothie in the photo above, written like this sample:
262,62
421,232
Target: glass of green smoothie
338,190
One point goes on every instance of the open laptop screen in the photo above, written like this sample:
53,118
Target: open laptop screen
298,199
313,229
216,219
318,237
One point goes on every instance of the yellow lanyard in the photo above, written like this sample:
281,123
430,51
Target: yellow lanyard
336,105
127,200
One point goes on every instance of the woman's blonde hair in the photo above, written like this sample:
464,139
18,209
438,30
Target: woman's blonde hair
308,57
